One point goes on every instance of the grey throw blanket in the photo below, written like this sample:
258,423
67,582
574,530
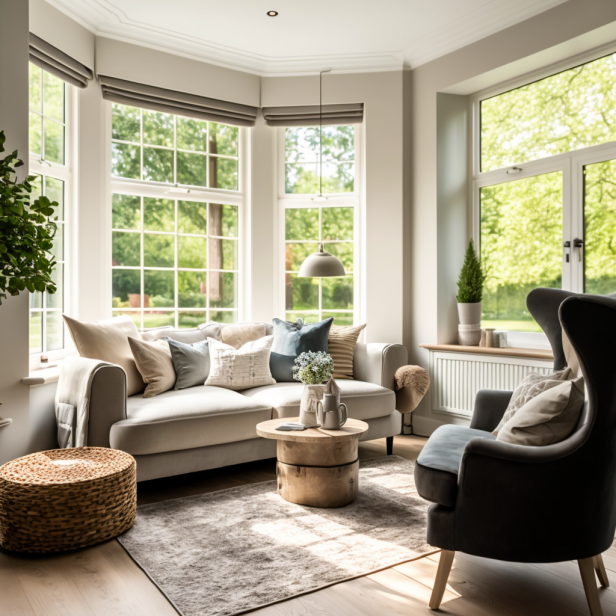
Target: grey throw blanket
73,400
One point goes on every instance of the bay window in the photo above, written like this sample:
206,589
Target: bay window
176,217
544,196
310,219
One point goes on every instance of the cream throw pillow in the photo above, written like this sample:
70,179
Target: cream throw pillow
531,385
153,361
341,345
240,368
547,418
108,341
239,334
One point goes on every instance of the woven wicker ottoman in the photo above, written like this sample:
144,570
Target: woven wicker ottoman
66,498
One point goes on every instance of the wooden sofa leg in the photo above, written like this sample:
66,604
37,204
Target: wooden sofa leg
600,570
442,575
587,571
390,445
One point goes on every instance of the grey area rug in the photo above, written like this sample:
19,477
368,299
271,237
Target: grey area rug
235,550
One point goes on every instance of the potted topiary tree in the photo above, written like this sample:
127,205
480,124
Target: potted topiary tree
470,293
26,232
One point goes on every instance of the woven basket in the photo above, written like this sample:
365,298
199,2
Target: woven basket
65,499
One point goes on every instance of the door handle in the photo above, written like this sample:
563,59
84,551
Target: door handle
567,246
579,244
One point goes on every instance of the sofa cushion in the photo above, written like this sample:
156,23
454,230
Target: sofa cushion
438,464
186,419
363,400
239,334
187,336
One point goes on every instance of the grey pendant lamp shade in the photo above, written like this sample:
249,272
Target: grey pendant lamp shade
321,264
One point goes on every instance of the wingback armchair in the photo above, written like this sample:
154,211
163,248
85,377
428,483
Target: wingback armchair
533,504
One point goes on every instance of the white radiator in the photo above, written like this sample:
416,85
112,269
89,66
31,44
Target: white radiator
457,377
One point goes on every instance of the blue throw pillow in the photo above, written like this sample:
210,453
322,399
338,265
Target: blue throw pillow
293,339
191,363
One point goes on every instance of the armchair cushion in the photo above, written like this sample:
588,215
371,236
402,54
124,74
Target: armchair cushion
438,464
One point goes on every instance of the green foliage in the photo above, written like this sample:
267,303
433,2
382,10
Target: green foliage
26,233
472,276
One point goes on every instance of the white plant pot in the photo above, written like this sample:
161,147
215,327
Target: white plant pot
469,314
469,335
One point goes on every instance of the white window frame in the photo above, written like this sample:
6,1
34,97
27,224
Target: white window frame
161,190
37,165
349,199
570,164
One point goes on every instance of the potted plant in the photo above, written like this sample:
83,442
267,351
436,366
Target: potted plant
470,293
26,232
312,369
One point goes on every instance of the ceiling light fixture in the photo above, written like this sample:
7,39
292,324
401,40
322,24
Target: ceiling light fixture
272,13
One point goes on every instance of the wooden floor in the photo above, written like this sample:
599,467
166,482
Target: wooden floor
103,580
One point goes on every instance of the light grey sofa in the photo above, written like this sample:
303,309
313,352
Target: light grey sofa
207,427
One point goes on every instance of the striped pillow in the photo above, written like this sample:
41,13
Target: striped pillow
341,346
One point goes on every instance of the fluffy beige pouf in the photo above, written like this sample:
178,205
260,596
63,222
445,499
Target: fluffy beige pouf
412,384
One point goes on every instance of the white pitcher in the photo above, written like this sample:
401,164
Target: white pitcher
331,414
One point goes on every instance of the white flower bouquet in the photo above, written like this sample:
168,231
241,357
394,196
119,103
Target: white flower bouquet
313,368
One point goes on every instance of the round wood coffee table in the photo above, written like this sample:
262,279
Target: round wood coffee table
316,467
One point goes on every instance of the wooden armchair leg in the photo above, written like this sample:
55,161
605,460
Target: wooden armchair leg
587,571
442,575
600,570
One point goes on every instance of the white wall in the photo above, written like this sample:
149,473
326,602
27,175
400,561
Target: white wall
438,231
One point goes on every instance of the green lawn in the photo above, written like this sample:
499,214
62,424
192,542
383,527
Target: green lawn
512,326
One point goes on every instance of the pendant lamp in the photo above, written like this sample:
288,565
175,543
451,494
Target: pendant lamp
321,264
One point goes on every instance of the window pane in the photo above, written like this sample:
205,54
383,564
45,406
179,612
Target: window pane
157,128
158,250
54,141
302,223
296,253
53,95
223,254
337,293
223,289
192,252
54,189
301,293
302,144
158,165
192,217
54,331
126,288
135,316
35,134
126,160
126,212
192,289
338,178
337,223
571,110
192,169
309,317
600,228
521,247
158,289
37,188
158,214
223,173
344,251
36,300
158,319
223,316
191,319
340,318
35,87
338,143
126,249
36,332
56,300
192,134
223,220
58,244
302,179
223,139
126,123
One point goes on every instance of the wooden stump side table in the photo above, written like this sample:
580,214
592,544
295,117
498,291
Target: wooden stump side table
316,467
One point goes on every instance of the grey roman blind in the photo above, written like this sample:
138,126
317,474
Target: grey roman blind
352,113
159,99
56,62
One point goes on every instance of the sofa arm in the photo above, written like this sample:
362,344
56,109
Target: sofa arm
107,403
376,362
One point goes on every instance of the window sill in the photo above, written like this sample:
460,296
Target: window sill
507,352
42,376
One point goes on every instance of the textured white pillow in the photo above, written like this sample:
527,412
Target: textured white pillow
548,418
240,368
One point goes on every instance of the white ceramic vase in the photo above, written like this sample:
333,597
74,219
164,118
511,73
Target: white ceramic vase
469,314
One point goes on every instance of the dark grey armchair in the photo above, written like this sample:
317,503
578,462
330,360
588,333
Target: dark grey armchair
533,504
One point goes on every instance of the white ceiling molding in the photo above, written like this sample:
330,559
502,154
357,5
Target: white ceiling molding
402,33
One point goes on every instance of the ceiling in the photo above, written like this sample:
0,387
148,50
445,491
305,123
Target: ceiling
345,35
